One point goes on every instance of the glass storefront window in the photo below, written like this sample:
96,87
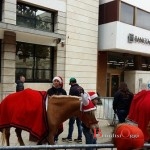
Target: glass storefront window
120,61
145,64
32,17
35,62
127,13
1,4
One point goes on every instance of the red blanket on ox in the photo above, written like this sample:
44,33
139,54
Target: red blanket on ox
25,109
140,111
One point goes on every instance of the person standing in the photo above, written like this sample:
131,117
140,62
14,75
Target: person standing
122,101
20,87
89,136
20,83
57,89
75,90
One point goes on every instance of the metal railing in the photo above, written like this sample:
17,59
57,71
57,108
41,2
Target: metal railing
105,111
79,146
76,146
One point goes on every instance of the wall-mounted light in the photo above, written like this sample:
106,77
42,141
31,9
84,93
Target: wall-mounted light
59,41
62,43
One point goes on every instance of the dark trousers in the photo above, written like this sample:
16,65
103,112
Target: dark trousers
89,138
71,127
122,114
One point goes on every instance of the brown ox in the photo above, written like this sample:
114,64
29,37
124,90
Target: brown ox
26,110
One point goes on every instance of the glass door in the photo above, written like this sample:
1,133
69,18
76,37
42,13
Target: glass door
115,79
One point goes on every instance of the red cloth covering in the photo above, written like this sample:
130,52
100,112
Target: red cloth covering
140,111
26,110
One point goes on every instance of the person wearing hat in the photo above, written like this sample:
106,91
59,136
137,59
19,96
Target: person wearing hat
57,89
75,90
93,99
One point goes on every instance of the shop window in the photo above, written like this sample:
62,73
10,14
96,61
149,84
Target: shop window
127,13
145,64
120,61
32,17
35,62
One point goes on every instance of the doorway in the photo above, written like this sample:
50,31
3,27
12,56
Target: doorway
113,81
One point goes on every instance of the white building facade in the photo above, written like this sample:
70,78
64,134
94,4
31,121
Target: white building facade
124,45
42,39
100,43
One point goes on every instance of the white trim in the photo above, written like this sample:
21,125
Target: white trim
94,108
85,98
46,102
57,78
50,4
94,96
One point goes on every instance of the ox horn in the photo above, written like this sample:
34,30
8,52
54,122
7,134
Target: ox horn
85,98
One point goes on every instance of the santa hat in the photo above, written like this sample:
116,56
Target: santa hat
87,104
59,79
93,95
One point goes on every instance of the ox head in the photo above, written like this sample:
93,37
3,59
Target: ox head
88,112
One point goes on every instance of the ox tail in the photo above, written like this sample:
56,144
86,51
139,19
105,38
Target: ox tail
3,137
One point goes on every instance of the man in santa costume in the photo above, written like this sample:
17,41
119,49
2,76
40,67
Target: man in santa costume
90,101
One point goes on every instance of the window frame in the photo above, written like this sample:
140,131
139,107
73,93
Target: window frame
34,68
121,61
35,20
145,64
120,14
143,11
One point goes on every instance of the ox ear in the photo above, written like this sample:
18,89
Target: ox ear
85,98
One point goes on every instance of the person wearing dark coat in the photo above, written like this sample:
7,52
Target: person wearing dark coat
122,101
20,83
57,89
75,90
20,87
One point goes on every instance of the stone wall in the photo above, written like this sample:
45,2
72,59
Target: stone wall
81,42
